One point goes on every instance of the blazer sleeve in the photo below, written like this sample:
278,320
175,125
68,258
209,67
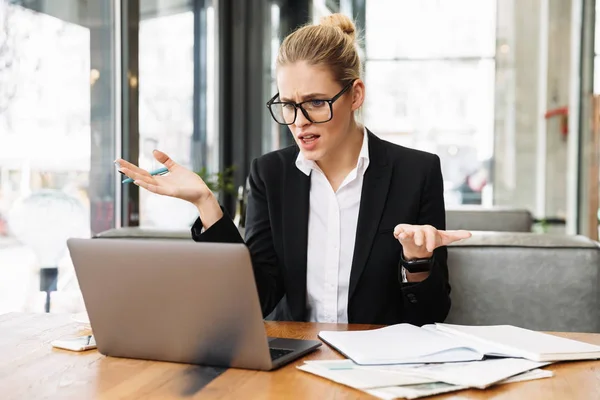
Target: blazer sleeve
259,240
429,301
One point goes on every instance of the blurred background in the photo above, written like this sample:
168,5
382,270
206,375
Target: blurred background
503,91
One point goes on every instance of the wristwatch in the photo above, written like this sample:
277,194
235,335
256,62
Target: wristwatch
417,265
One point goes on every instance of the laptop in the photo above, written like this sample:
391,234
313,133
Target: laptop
177,301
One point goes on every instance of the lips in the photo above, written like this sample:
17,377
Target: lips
308,137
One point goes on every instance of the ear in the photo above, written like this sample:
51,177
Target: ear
358,94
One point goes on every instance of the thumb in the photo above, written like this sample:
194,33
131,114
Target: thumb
163,159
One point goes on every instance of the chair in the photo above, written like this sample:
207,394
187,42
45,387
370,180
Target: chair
545,282
499,219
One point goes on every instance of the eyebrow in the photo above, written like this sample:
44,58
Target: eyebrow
306,96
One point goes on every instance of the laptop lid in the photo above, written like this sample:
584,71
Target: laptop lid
177,301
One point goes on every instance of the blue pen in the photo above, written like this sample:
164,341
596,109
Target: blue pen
159,171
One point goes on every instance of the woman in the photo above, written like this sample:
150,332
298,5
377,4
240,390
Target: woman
343,226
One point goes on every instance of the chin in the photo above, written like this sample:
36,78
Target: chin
313,155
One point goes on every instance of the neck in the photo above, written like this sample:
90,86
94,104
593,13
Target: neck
345,157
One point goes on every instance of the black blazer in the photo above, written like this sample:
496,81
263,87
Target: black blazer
401,185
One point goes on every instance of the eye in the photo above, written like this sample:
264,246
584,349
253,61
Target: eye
317,103
288,106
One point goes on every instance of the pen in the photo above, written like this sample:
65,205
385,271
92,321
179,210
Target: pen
159,171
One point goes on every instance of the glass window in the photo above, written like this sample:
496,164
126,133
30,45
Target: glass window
166,93
57,135
166,101
430,28
272,139
430,75
440,107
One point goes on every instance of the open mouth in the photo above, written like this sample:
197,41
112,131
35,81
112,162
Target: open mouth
309,138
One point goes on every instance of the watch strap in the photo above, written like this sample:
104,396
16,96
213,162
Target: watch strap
417,265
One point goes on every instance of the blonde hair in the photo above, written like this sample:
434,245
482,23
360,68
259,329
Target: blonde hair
332,43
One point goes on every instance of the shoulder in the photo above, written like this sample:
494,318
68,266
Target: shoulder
275,163
284,155
402,156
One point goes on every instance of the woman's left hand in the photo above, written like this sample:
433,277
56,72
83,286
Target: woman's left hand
419,241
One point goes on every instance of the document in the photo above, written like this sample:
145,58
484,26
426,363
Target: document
439,343
431,389
525,343
477,374
350,374
391,382
401,343
414,391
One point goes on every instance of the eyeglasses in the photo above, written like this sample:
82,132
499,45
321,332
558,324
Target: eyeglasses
316,111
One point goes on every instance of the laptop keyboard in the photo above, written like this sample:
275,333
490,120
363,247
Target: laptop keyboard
277,353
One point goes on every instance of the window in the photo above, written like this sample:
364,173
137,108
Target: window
166,120
57,135
168,60
430,75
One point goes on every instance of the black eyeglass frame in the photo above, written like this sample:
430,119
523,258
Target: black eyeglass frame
304,112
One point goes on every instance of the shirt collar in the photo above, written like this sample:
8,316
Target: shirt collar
306,166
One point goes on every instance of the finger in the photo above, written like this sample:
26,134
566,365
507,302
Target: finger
124,164
398,230
164,159
137,176
406,235
152,187
459,234
453,236
431,238
419,237
401,228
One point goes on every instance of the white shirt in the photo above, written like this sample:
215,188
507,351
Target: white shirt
332,221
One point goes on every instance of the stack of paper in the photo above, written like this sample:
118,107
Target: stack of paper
414,381
409,344
406,361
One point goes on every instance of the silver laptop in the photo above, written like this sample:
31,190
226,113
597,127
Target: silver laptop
178,301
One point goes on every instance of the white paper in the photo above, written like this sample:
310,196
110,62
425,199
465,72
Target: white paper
477,374
357,378
529,376
405,383
520,342
413,392
481,347
425,390
400,343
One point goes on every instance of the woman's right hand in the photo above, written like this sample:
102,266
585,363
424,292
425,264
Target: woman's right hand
180,182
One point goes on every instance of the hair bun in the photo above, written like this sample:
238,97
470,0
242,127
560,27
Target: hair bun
341,21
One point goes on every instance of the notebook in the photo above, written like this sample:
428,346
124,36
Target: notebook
410,344
512,341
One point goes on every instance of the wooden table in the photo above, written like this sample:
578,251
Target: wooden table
30,369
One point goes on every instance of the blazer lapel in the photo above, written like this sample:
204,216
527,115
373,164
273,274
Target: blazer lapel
375,188
296,198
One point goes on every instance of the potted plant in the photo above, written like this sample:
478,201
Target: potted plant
219,181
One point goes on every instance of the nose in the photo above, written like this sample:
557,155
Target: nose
301,119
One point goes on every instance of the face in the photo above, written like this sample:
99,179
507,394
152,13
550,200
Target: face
301,82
